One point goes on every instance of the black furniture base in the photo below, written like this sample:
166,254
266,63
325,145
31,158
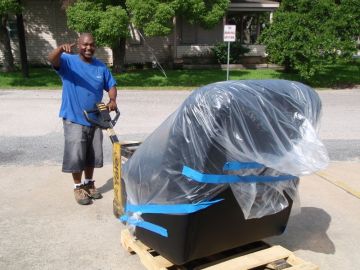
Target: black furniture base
217,228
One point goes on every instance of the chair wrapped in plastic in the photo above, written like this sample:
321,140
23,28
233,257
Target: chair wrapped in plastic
222,170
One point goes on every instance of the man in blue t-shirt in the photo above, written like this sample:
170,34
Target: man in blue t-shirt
84,79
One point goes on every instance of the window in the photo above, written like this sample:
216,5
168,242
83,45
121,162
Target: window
195,34
249,25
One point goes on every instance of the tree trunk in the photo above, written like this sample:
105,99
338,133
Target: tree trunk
6,46
287,66
22,45
119,56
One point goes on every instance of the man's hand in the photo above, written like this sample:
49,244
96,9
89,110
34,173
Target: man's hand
112,96
112,105
54,56
67,47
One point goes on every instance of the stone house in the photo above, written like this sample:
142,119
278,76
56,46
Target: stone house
45,29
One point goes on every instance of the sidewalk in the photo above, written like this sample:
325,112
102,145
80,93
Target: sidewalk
43,228
326,232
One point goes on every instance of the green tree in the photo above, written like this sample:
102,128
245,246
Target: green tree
307,35
7,8
109,20
155,17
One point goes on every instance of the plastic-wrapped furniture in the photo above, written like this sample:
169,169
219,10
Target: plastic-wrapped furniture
222,170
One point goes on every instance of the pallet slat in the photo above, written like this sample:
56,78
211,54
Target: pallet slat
267,257
252,260
260,258
304,266
147,259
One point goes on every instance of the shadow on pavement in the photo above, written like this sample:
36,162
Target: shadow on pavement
107,186
307,231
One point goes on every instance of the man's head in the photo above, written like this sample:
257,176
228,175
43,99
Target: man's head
86,46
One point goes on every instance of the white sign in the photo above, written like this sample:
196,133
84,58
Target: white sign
229,33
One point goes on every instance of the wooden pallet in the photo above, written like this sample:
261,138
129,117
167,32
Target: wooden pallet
270,258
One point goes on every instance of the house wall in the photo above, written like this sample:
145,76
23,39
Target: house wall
193,50
150,49
189,34
256,50
46,29
194,40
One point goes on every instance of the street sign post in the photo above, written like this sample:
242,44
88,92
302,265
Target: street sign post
229,36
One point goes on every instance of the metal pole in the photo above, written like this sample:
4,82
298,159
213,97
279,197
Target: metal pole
228,61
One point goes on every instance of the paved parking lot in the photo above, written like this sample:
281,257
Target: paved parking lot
41,226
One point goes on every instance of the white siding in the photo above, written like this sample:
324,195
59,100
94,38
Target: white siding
45,29
159,48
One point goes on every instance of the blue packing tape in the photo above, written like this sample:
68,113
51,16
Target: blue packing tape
146,225
162,209
236,165
228,178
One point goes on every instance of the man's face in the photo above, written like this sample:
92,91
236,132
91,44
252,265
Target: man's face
86,47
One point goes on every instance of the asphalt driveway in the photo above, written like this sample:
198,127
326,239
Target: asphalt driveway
41,226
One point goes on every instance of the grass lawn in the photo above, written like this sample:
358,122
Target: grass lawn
335,76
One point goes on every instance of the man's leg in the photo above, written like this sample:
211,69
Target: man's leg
90,183
74,158
80,192
77,178
94,159
89,172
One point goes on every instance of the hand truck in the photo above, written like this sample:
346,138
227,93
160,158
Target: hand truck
121,151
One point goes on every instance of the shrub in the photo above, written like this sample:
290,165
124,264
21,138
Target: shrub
308,35
220,50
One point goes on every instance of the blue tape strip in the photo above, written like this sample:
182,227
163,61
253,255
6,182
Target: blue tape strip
162,209
223,179
146,225
235,165
170,208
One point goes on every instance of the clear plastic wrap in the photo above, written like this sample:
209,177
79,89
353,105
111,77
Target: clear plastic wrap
235,134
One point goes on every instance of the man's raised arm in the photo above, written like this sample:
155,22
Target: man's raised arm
54,56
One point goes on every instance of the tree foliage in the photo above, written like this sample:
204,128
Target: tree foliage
109,20
106,22
307,35
206,13
154,17
9,7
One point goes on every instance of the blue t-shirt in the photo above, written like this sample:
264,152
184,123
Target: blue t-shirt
83,85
